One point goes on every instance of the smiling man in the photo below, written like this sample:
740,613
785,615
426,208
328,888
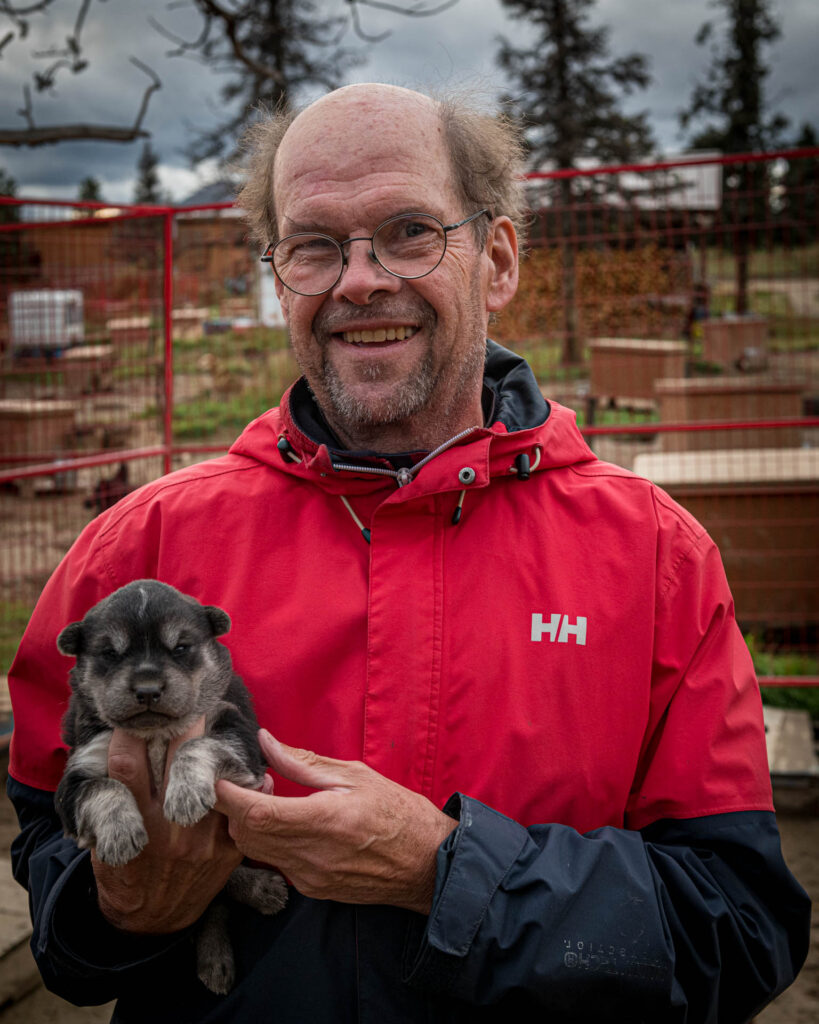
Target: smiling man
539,784
395,363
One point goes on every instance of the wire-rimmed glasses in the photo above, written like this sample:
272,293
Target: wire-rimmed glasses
409,245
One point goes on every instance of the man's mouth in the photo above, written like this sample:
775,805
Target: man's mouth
380,334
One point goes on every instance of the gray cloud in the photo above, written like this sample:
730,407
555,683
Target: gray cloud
454,49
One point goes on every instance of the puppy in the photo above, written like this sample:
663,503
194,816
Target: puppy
148,662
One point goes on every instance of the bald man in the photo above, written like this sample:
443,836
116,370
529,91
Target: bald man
528,770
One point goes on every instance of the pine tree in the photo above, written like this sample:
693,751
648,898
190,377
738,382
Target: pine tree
798,207
731,108
90,191
568,92
146,190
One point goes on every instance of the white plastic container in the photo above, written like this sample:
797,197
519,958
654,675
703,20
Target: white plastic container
45,321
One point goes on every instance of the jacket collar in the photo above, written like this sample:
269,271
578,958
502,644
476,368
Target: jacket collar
511,396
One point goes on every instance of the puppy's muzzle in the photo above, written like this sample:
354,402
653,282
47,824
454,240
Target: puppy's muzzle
148,691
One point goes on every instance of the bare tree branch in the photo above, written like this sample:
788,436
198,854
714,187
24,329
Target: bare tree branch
18,12
231,23
416,10
182,44
34,136
358,28
70,56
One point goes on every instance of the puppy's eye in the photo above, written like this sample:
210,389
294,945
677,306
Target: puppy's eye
109,653
181,649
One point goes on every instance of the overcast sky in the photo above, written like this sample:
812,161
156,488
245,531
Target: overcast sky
455,48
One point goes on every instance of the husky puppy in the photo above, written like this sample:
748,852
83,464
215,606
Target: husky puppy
148,662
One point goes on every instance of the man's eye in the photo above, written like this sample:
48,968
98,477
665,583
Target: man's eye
415,228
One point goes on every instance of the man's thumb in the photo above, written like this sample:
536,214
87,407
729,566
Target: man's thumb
302,766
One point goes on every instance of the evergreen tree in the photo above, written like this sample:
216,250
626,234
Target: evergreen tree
568,91
90,191
146,190
731,108
273,48
798,204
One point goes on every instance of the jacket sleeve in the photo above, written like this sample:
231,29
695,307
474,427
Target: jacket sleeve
80,956
694,920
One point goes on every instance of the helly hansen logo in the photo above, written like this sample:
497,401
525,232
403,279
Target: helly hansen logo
559,628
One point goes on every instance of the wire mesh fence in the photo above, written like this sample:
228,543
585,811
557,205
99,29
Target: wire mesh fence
674,307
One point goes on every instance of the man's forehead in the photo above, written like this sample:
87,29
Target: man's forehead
352,128
361,111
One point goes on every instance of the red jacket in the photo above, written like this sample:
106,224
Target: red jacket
547,637
567,652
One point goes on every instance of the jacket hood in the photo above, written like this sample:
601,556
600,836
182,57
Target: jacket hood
295,438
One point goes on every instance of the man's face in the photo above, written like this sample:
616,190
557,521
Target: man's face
391,362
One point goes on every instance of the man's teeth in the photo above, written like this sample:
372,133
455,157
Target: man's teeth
382,334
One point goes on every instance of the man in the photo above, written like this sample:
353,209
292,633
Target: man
540,778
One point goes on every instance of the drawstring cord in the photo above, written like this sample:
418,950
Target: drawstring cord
365,533
523,467
286,450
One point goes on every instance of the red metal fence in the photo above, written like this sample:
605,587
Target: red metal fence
675,307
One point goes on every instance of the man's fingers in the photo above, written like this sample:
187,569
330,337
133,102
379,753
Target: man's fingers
303,766
128,763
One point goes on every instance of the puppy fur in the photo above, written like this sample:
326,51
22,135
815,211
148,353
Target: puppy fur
148,662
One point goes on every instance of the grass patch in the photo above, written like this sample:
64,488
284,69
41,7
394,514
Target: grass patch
770,262
786,663
208,418
14,616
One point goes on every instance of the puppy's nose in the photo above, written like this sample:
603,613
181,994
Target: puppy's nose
147,692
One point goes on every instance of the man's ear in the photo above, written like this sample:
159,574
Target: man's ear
502,253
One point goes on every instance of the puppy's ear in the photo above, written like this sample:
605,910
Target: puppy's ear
69,642
219,620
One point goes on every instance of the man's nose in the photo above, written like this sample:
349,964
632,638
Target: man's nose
363,276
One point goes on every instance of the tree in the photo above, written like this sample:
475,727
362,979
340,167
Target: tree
19,261
269,47
569,94
90,191
798,193
146,190
731,107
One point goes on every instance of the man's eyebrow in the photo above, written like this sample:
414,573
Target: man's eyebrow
316,227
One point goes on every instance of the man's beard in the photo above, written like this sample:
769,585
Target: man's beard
405,400
357,411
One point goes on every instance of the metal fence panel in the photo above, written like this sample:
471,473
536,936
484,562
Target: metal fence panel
674,307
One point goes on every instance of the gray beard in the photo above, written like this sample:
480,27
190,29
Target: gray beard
410,400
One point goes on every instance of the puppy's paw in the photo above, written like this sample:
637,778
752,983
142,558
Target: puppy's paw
214,953
119,841
108,819
263,889
217,973
187,802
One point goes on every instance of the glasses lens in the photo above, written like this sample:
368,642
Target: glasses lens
411,245
308,263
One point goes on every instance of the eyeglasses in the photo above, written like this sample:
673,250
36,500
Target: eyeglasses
409,246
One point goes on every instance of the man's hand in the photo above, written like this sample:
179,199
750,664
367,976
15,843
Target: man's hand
169,885
362,839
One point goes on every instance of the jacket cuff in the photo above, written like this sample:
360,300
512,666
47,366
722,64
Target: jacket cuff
472,862
76,938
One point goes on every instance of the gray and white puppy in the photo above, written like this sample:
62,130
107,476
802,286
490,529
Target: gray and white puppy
148,662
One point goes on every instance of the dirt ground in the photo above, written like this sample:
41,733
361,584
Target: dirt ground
798,1005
